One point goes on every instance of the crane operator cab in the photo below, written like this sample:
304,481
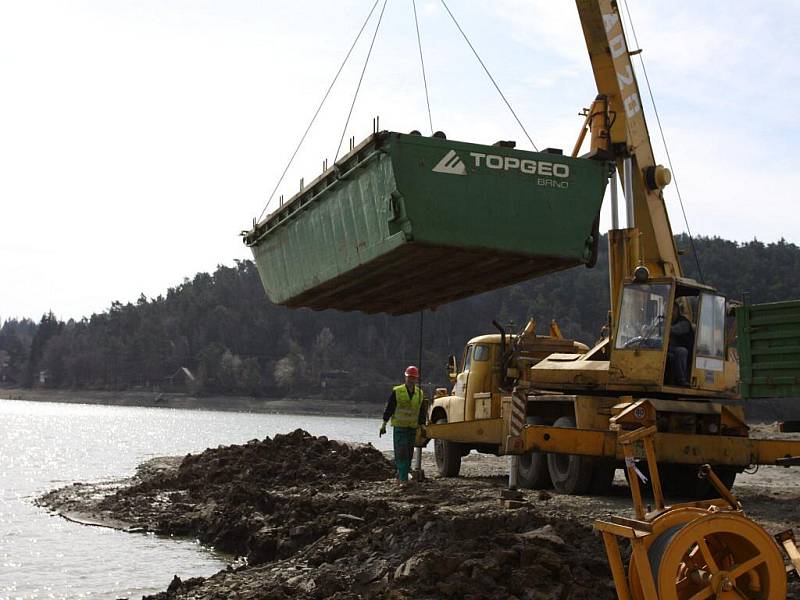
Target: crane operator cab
671,333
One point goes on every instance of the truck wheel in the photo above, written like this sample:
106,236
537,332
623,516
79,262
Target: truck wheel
532,468
448,456
570,473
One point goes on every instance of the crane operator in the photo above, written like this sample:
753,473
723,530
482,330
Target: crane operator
679,351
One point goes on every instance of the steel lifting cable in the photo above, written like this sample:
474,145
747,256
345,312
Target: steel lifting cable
664,142
421,330
319,108
422,62
360,79
464,35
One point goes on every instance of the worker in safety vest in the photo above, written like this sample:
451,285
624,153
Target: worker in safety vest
404,409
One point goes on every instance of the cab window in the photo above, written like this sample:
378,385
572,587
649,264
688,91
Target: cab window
711,327
481,353
467,359
642,316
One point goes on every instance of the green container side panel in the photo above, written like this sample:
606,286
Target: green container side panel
322,240
405,222
769,349
496,204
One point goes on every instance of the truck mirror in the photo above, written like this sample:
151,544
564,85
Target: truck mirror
452,368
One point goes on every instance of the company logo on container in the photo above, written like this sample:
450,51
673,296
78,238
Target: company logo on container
451,164
546,173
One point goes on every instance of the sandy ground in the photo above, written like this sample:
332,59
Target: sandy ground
311,518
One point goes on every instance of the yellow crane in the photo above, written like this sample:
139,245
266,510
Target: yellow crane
550,401
664,381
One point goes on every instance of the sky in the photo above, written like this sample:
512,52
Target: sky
138,138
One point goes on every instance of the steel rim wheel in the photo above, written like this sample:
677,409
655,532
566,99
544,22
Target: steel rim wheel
720,556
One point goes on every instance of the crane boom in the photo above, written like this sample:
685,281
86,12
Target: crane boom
628,135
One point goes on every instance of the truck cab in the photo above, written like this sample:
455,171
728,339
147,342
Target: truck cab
490,366
476,385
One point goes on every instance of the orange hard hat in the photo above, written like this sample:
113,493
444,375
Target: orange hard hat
412,371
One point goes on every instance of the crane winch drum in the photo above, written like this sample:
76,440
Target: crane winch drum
407,222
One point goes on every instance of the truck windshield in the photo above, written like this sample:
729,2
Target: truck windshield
642,317
467,359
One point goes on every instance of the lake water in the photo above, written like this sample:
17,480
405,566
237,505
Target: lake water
47,445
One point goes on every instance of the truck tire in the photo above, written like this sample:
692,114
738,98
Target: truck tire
570,473
448,456
532,471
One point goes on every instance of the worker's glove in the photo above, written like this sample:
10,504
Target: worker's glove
383,429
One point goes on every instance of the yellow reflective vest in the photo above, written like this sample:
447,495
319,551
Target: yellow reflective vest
406,413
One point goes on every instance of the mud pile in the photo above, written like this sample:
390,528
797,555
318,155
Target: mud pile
438,539
260,500
320,519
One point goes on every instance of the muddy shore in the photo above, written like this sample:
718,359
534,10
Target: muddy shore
310,518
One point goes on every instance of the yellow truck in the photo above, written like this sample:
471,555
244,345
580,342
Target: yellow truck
548,401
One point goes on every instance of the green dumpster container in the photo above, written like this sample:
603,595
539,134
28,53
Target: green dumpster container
768,341
406,222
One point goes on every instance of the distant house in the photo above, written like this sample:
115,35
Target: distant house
5,360
334,382
180,380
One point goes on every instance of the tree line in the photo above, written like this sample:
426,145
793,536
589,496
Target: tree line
218,333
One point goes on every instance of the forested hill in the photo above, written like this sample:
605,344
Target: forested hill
222,329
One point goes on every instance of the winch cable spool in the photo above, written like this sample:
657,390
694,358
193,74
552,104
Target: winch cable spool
664,143
692,551
497,87
698,553
319,108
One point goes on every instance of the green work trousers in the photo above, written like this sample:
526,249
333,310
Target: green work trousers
404,450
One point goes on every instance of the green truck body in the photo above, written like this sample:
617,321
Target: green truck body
768,340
